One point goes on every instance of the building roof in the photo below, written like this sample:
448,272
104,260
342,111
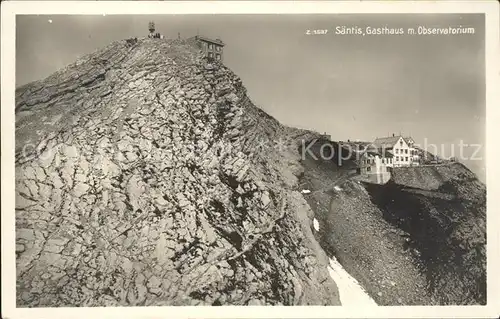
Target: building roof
386,142
354,143
408,139
354,146
216,41
382,152
385,153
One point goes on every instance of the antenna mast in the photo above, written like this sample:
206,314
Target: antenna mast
151,27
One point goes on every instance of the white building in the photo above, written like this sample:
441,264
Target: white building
401,148
413,150
376,161
375,165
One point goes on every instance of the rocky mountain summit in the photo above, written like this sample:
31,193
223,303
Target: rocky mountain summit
146,176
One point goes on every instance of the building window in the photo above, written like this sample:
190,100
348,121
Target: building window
397,150
406,151
406,159
210,46
397,158
210,55
369,169
217,48
217,56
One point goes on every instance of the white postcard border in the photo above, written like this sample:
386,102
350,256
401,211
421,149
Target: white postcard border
11,8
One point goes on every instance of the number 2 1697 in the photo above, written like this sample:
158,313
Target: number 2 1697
316,32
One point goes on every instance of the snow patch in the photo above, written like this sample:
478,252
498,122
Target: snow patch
350,291
305,191
337,188
316,224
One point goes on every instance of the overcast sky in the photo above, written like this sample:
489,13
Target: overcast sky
352,87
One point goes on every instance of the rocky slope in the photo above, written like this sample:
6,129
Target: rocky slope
418,240
146,176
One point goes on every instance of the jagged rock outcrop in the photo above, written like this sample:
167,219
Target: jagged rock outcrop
145,176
